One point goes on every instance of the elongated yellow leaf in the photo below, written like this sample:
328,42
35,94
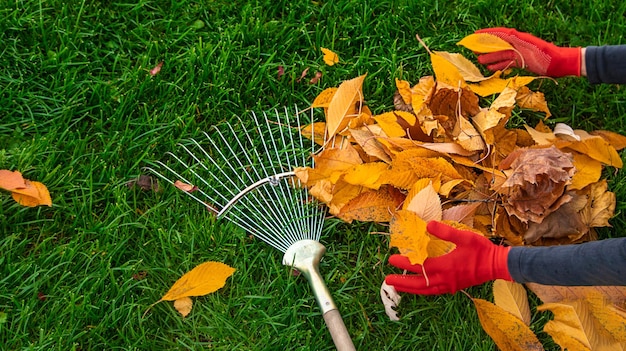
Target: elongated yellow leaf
388,121
330,58
484,43
512,297
507,331
446,72
366,174
607,315
465,68
203,279
344,105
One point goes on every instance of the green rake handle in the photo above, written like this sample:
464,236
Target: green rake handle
305,255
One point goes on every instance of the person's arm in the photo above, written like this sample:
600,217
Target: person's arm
605,64
476,260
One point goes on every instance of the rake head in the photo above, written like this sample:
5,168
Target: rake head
246,176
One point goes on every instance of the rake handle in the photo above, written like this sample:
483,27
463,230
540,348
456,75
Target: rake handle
338,331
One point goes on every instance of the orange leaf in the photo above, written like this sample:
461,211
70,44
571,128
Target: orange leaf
512,297
203,279
457,65
330,58
588,171
323,99
372,206
366,174
618,141
388,121
506,330
11,180
34,194
404,88
344,105
183,305
446,72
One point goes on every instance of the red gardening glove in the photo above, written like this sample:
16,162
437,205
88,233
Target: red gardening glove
475,260
536,55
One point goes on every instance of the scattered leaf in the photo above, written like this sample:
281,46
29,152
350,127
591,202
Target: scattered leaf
512,297
156,69
330,58
391,300
185,187
183,305
144,182
316,78
10,180
280,72
203,279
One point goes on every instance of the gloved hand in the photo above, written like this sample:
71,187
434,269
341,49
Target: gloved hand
475,260
537,55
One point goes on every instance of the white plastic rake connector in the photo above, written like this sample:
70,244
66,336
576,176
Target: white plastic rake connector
305,256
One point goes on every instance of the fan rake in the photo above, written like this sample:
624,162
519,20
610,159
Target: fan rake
247,176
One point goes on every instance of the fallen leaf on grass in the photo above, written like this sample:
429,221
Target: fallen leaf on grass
144,182
185,187
25,192
330,58
512,297
183,305
154,71
391,300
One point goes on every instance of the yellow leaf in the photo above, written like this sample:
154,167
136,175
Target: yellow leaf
465,68
426,204
203,279
372,206
404,88
368,142
607,315
344,105
468,136
532,100
512,297
421,92
366,174
330,58
595,147
484,43
618,141
408,234
446,72
588,171
34,194
507,331
600,205
388,121
550,293
183,305
495,84
315,131
323,99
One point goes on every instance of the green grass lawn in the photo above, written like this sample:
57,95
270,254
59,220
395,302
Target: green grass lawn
80,112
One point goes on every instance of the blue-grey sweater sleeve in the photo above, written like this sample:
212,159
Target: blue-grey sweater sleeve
606,64
600,262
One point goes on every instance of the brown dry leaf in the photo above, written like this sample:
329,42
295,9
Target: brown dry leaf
183,305
461,213
330,58
484,43
600,205
507,331
512,297
10,180
549,293
372,206
532,100
34,194
565,222
344,105
408,233
205,278
426,204
185,187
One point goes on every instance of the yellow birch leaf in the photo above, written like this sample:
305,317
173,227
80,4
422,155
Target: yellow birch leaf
408,234
618,141
447,187
10,180
388,121
588,171
446,72
467,70
484,43
550,293
607,315
366,174
331,160
600,205
404,88
494,84
512,297
205,278
315,131
323,99
372,206
469,138
426,204
344,105
330,58
507,331
34,194
595,147
183,305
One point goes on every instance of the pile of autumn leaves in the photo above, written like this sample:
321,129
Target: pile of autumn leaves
445,153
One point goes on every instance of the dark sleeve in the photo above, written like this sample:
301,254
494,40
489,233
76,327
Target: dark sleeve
600,262
606,64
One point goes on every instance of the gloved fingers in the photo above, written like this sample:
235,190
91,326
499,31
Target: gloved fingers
461,238
414,284
500,58
403,262
498,30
